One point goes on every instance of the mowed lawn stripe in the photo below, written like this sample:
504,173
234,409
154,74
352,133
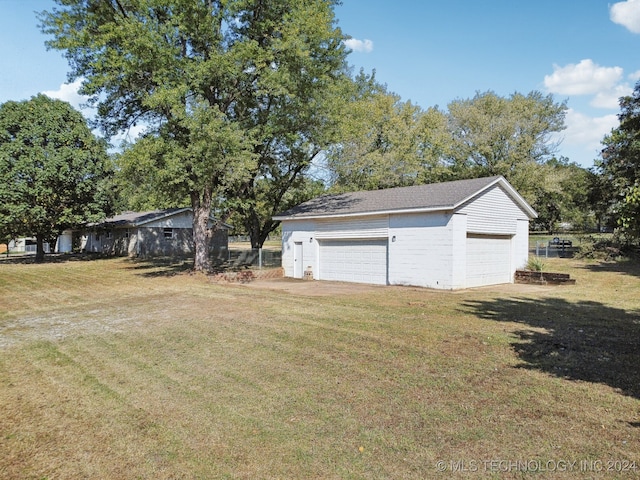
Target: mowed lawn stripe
199,380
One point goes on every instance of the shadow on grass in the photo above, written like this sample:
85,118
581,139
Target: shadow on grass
161,266
629,267
148,267
585,340
166,267
28,258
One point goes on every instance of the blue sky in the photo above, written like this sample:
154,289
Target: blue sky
432,52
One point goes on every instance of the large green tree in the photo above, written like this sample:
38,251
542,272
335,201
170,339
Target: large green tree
228,88
384,141
512,136
52,169
296,131
619,166
561,195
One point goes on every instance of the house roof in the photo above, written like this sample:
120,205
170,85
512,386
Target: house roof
137,219
417,198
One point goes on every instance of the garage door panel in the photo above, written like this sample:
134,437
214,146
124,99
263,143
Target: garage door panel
488,260
361,261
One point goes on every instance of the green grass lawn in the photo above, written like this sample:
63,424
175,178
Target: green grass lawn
121,369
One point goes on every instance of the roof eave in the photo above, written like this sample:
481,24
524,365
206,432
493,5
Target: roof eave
531,213
160,217
443,208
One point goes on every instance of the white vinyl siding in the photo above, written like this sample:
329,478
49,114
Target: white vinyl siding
303,232
298,260
488,260
520,252
359,261
493,212
421,250
368,227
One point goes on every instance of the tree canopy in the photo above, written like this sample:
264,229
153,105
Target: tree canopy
231,91
385,142
51,169
560,194
495,135
619,166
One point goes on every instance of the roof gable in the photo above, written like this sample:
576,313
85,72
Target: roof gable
428,197
137,219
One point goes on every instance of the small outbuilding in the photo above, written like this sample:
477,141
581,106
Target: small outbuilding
451,235
166,232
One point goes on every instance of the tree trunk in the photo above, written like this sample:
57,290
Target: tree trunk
201,232
39,248
258,232
267,228
254,235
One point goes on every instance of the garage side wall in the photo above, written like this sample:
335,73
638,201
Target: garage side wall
495,220
459,263
520,246
421,250
302,232
493,213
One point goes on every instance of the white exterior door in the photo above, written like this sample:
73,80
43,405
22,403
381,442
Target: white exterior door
488,260
360,261
298,269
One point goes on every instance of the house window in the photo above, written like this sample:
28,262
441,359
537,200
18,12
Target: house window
168,233
97,237
126,233
109,235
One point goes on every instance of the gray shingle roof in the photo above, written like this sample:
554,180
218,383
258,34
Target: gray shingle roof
136,219
133,219
434,196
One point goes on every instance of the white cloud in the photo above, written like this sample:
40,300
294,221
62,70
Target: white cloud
611,98
586,131
627,14
356,45
635,76
582,139
69,93
585,78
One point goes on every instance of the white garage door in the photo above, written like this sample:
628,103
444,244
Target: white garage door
360,261
488,260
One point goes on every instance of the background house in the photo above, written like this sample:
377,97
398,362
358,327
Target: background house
166,232
451,235
24,245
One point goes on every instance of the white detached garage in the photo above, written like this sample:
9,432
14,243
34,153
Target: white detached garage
460,234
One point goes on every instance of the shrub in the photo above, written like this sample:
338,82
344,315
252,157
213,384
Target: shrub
610,248
535,264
